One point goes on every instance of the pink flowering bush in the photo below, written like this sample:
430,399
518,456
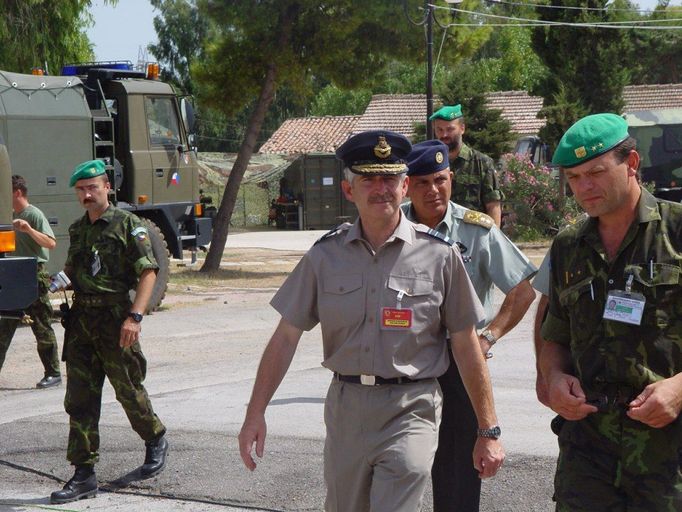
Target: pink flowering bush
532,204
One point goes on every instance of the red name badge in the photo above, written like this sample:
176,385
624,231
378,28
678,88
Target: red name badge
392,318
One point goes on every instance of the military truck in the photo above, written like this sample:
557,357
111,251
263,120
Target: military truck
659,143
130,120
18,281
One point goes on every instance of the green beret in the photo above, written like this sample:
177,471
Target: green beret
590,137
87,170
447,113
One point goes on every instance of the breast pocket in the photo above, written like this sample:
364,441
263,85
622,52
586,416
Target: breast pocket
660,285
417,293
583,311
342,301
110,252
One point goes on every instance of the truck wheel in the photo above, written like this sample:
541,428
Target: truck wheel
160,250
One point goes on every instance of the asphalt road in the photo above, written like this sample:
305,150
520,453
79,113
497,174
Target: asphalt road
202,359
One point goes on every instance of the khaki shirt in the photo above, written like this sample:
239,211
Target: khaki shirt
490,258
343,284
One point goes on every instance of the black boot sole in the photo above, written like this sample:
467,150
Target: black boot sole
82,496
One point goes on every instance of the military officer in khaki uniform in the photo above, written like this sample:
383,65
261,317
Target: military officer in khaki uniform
386,293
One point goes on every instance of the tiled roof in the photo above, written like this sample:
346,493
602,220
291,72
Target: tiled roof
396,112
652,97
400,112
310,135
519,108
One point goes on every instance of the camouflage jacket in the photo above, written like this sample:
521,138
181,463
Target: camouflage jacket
109,255
475,181
606,351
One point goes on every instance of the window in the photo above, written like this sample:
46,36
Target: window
162,121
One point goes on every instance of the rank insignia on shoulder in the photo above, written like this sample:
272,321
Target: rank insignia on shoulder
479,219
140,233
435,234
333,232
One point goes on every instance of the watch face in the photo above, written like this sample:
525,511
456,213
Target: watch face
136,316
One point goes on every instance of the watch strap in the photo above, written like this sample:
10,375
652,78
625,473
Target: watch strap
490,433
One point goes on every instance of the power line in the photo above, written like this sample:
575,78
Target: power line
535,22
568,7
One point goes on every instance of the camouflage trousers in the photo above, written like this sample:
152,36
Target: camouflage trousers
91,352
41,314
608,462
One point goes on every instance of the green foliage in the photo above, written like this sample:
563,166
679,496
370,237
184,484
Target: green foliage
346,41
44,33
332,101
486,130
181,33
532,203
591,64
560,114
653,48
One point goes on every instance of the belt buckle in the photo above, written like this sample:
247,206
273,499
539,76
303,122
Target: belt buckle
367,380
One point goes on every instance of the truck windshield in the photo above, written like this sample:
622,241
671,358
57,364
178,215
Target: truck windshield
162,121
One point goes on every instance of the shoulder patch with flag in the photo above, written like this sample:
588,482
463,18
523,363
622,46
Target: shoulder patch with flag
140,233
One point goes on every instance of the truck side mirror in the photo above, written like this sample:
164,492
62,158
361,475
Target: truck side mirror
187,111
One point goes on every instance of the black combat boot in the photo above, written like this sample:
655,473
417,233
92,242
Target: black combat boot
155,458
82,485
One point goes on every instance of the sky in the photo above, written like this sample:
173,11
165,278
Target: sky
112,42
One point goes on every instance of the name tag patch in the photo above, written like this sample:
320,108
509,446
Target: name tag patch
394,318
624,307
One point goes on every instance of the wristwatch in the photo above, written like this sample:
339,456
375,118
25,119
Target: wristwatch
489,336
491,433
137,317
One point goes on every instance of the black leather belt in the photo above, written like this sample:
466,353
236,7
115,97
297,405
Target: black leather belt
611,396
373,380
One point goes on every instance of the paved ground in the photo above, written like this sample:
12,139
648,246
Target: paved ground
202,360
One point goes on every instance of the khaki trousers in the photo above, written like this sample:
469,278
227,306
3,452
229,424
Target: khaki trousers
380,445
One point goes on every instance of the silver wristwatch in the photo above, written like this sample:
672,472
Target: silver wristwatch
491,433
489,336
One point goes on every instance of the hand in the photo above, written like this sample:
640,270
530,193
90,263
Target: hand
21,225
659,404
130,332
566,398
253,431
488,456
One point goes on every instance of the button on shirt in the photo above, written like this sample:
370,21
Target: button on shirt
489,256
343,284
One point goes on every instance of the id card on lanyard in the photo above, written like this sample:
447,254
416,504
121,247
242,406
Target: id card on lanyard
624,305
398,317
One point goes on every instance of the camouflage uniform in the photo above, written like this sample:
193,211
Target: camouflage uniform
41,310
608,461
475,181
91,347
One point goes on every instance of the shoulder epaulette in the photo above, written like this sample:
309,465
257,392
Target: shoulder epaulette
479,219
435,234
334,231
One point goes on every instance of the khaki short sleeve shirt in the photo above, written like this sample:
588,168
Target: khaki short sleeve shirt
345,286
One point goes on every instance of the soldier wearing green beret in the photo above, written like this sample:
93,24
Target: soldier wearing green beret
109,255
475,184
612,358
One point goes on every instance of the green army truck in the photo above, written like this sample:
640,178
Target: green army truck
18,278
659,144
133,122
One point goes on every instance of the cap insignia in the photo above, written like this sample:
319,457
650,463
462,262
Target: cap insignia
439,157
382,149
580,152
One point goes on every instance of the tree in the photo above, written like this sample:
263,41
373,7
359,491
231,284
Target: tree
44,33
591,64
486,130
260,46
